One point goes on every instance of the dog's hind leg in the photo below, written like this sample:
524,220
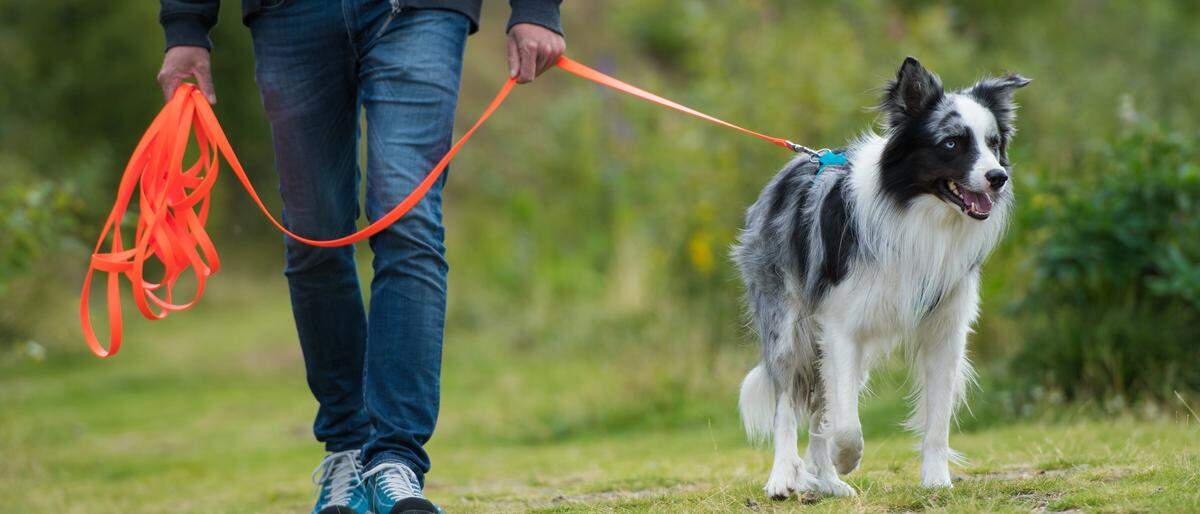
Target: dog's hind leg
943,374
780,360
788,469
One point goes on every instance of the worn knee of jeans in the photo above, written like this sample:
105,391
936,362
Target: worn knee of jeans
304,261
413,246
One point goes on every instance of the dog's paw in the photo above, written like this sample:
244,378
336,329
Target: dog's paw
808,483
936,474
836,487
847,450
782,482
779,488
789,479
937,482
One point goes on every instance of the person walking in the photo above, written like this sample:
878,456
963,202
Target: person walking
375,373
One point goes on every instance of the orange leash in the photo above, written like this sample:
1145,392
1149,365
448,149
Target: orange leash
582,71
173,202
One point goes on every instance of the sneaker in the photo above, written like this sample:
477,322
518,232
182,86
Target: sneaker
340,485
394,489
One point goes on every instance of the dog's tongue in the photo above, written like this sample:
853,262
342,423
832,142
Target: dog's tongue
978,202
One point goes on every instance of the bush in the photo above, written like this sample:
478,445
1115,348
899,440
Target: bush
1114,307
38,216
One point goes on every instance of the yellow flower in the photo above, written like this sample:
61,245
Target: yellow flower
700,251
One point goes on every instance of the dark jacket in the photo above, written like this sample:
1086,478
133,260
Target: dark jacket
187,22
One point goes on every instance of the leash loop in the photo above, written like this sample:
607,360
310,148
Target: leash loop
173,202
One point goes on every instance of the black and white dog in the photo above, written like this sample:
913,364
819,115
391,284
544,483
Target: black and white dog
843,265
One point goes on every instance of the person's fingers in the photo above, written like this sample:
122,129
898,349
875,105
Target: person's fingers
528,51
514,58
204,80
552,56
543,59
168,82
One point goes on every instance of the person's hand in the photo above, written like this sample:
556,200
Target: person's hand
532,49
181,62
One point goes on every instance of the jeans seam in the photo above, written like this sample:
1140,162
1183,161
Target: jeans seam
391,17
347,13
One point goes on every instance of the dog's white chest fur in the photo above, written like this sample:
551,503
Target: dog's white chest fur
919,257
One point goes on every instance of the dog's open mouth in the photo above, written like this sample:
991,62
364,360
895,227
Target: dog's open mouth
974,204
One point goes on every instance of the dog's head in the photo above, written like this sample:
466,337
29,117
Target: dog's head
951,145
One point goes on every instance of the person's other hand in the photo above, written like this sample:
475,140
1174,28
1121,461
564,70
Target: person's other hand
532,49
181,62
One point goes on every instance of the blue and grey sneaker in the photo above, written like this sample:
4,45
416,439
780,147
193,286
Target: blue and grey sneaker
394,489
340,482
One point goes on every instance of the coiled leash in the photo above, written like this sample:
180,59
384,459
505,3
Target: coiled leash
173,202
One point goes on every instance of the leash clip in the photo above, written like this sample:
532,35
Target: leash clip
799,148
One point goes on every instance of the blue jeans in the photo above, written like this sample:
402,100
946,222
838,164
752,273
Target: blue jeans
375,374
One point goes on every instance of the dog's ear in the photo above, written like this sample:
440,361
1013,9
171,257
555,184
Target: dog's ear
914,90
999,89
996,93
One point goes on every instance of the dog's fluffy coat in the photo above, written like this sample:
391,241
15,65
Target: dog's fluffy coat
842,266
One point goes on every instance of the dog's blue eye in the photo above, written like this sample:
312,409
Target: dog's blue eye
949,144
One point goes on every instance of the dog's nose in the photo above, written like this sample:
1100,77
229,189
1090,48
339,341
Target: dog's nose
996,178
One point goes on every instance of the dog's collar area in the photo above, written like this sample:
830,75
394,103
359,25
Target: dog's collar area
827,157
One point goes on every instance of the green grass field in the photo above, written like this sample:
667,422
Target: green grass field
208,412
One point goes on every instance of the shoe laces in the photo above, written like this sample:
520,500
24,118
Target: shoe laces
341,472
399,484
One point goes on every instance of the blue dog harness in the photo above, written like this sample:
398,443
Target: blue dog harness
830,158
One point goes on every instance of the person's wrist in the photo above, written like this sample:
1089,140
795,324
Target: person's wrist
190,48
551,28
186,30
542,13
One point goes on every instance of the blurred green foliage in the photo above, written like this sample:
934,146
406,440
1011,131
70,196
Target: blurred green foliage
1115,305
37,216
35,212
584,222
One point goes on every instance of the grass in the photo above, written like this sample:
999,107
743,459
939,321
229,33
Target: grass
208,412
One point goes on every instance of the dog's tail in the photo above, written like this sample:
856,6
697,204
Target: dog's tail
757,404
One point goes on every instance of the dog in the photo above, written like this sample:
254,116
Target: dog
841,264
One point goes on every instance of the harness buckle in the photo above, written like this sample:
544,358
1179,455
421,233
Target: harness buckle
827,157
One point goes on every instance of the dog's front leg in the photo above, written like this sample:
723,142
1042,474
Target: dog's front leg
820,461
943,373
841,376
